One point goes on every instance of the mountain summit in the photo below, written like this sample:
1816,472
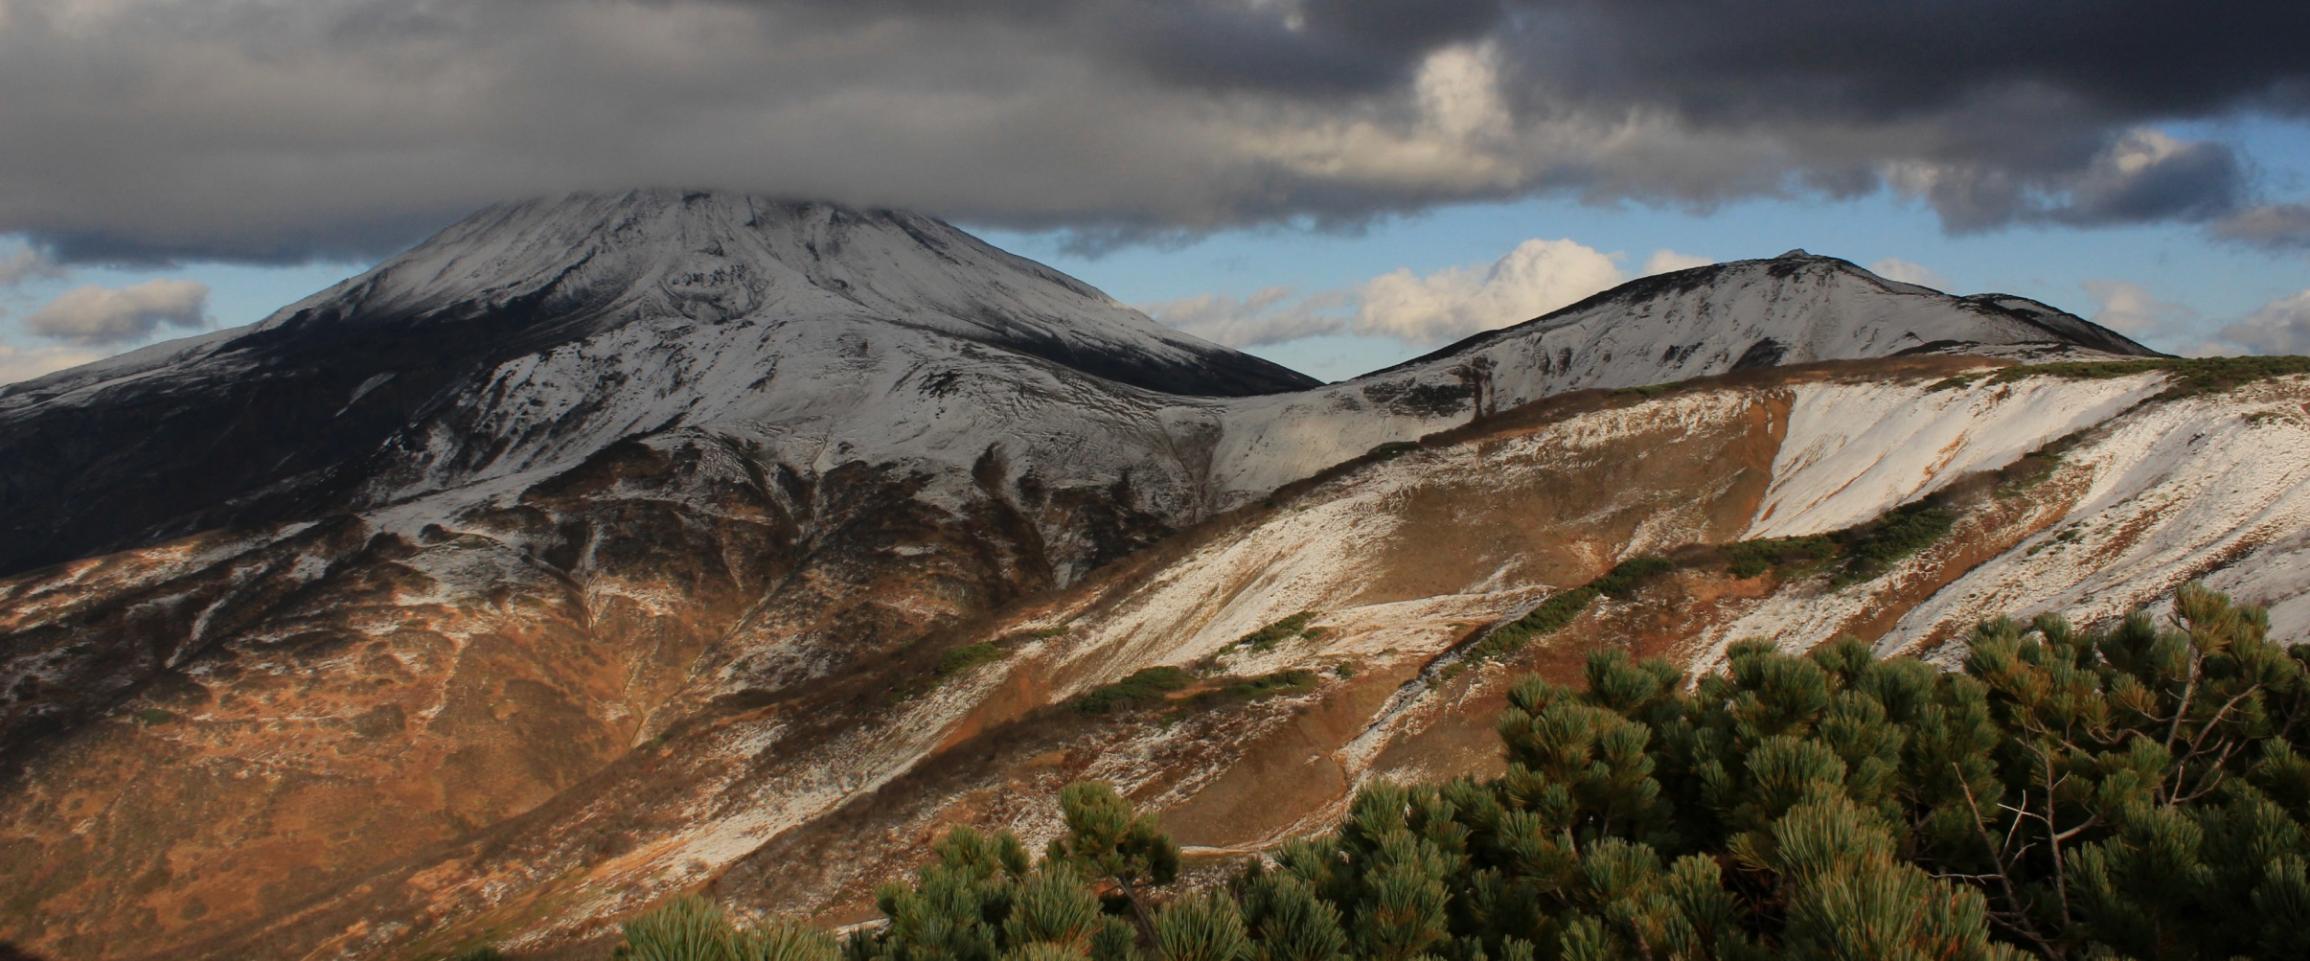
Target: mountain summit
532,334
1794,308
592,262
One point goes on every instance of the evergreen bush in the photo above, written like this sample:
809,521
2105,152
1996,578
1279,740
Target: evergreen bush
1266,638
1142,688
2136,792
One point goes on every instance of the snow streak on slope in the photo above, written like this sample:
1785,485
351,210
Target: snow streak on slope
1854,451
2213,487
529,336
2166,491
814,397
1400,560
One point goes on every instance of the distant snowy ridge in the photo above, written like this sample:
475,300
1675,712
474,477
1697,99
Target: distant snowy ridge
1792,309
530,336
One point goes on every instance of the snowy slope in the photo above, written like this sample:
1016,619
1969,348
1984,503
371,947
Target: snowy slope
2213,487
1792,309
529,337
1853,451
1397,560
654,256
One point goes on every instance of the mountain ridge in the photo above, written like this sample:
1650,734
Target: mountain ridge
530,334
2058,327
669,602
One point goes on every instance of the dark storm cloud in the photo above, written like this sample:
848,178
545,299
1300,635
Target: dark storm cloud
1721,62
238,129
1314,48
2159,181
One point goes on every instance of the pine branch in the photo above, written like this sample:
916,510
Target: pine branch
2016,918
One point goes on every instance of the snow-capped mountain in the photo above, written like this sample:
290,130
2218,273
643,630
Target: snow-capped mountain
611,545
530,336
1793,309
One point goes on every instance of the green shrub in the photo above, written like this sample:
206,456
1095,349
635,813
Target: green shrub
1259,688
691,928
1860,553
1266,638
687,928
959,659
1751,558
1550,615
1874,548
1205,927
2034,468
1622,581
784,939
1143,688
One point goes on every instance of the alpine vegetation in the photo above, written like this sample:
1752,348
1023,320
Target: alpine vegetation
2134,792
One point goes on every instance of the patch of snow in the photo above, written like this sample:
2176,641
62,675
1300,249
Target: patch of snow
1855,451
2216,486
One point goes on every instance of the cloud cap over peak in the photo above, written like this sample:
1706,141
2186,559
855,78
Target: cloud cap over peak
93,316
248,130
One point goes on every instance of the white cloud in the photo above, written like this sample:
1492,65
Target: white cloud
2281,326
91,316
25,363
1419,309
1909,272
2131,309
1533,279
1269,316
1664,260
26,264
2275,226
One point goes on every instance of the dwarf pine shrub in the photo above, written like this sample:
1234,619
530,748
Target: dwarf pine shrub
2141,791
